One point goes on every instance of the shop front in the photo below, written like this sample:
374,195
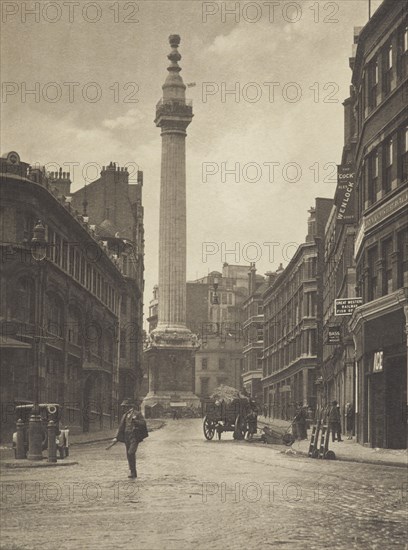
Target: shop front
379,332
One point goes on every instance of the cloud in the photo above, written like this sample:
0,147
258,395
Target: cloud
129,120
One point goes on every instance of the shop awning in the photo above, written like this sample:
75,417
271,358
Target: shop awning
11,343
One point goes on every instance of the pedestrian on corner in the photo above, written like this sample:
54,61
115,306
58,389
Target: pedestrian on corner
334,425
299,423
252,418
132,431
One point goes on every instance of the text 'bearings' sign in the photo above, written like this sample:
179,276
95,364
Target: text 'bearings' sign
344,197
333,335
346,306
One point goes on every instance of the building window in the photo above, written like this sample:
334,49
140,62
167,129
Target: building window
372,84
71,256
204,363
204,386
74,326
123,347
387,257
82,270
312,342
77,266
403,259
402,66
109,348
94,338
221,363
54,315
260,309
88,276
387,74
372,177
387,163
124,305
403,154
372,257
98,288
58,243
64,255
259,335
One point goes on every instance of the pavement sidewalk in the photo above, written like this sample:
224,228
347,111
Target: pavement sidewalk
7,459
348,450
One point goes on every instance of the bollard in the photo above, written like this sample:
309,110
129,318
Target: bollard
20,446
52,443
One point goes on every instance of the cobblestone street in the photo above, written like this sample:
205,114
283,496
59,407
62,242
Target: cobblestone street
191,493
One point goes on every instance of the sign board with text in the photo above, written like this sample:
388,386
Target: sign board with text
378,361
334,335
346,306
344,196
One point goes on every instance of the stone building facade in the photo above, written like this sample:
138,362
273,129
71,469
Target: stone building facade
214,312
378,327
219,360
293,324
113,206
339,280
60,317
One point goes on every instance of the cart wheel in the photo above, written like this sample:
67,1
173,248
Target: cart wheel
288,439
209,428
315,453
329,455
239,431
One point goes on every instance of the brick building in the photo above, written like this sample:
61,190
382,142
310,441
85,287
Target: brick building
292,307
379,78
253,335
66,310
114,206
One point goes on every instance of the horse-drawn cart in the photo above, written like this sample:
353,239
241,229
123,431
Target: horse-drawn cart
226,411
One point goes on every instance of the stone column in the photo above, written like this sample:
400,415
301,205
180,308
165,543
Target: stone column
172,244
172,344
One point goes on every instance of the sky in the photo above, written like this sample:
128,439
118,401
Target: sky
267,81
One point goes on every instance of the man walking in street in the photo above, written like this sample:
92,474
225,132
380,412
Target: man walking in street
132,430
334,423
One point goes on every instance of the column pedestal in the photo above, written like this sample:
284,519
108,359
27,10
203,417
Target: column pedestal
170,359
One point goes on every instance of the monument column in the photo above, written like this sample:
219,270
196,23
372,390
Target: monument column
171,344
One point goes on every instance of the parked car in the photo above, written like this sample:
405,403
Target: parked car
48,411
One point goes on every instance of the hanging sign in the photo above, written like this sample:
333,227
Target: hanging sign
346,306
333,335
344,197
378,361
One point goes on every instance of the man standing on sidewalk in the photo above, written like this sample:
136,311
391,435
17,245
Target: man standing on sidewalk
132,430
334,422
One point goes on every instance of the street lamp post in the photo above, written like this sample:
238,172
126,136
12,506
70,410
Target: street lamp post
35,428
